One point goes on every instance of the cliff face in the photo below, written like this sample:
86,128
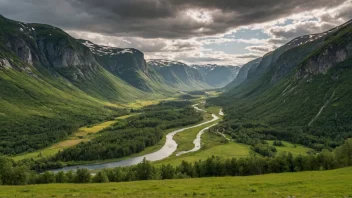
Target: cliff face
289,60
42,45
126,64
336,49
331,54
4,63
118,60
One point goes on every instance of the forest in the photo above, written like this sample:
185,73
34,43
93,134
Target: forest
12,173
27,135
133,134
271,115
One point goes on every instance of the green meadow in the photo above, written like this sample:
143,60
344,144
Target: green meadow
333,183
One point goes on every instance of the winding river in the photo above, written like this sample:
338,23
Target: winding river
197,141
167,150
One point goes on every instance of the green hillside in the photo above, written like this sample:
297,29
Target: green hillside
302,97
50,86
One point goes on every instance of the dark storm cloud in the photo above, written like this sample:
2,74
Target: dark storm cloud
155,18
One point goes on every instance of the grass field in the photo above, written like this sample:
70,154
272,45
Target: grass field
333,183
82,135
295,149
142,103
214,109
185,138
211,145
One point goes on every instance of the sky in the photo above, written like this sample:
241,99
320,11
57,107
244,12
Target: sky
226,32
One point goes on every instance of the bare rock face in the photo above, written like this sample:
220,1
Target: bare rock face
4,63
21,48
127,64
336,49
61,55
322,62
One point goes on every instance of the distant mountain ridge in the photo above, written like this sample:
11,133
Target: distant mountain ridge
217,75
179,75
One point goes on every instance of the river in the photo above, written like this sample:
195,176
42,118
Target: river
167,150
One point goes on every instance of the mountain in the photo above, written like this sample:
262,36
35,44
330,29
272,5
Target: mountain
217,75
156,76
300,92
242,73
179,75
51,84
130,66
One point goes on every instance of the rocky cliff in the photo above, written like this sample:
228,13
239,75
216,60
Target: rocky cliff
336,49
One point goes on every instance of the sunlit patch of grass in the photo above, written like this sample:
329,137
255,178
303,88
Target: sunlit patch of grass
185,138
295,149
142,103
82,135
212,145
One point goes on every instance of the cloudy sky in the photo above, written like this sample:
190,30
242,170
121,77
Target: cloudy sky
194,31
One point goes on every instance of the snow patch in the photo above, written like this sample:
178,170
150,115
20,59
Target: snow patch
125,51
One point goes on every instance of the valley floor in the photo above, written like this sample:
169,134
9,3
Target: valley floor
332,183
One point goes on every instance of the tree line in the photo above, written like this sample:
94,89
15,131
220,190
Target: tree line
12,173
27,135
133,134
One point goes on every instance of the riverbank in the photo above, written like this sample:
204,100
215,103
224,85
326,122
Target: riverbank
167,150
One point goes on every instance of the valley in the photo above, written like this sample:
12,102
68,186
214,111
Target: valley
75,112
168,149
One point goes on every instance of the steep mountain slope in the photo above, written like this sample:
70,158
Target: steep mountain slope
242,73
217,75
51,84
179,75
53,52
303,96
130,66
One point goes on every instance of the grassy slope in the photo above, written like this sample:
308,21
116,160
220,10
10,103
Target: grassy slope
295,149
291,105
333,183
83,134
28,103
47,104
